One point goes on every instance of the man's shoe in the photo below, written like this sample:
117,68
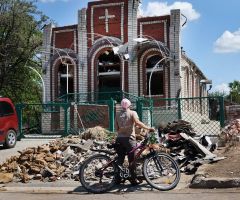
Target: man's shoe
118,181
135,182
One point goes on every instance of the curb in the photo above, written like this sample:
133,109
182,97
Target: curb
201,181
46,190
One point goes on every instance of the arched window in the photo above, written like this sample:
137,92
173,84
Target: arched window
109,72
65,78
157,86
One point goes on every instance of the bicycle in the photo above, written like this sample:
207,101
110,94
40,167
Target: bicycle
160,170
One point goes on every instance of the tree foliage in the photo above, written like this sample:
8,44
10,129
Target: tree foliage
235,91
217,94
20,37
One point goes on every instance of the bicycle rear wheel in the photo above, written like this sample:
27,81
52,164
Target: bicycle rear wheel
161,171
97,173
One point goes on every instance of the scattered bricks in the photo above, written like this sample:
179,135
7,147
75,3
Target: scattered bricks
232,130
50,159
25,178
59,159
46,172
37,177
26,164
40,156
96,133
27,151
34,170
60,170
41,162
6,177
43,149
52,166
24,158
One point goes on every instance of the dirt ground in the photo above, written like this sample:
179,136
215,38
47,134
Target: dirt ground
229,167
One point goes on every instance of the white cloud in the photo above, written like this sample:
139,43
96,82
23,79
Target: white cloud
162,8
52,1
228,42
222,88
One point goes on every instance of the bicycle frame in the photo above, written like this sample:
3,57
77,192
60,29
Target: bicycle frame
141,147
155,166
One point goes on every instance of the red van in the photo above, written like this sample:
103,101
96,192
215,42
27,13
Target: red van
8,123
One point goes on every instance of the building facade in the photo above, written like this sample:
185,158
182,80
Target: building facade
112,49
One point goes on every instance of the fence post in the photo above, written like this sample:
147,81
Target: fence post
66,115
179,109
151,110
111,103
19,108
221,111
140,108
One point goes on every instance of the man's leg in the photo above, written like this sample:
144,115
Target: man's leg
132,165
121,151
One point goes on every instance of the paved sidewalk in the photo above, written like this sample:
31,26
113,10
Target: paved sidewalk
21,145
71,186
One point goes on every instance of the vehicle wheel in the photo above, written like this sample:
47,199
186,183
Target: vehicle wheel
11,139
97,173
161,171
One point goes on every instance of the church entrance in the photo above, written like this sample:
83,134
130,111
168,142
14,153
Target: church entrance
157,86
109,67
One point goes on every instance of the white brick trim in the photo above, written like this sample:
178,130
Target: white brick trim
107,5
155,22
53,74
141,69
64,31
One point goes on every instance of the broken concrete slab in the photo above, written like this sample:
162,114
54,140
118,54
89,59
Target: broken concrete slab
209,183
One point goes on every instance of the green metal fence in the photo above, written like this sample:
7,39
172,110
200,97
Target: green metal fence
62,119
76,112
35,119
206,114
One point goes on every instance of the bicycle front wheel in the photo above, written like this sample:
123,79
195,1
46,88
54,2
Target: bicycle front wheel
161,171
97,173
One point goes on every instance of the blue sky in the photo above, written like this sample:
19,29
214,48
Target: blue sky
211,37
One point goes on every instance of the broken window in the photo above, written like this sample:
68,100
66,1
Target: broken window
65,79
157,87
108,72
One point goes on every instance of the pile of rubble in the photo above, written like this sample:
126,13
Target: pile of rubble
59,159
187,148
231,132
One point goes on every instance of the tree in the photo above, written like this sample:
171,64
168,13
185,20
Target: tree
235,91
217,94
20,37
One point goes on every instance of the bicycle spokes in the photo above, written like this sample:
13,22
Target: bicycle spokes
161,172
97,174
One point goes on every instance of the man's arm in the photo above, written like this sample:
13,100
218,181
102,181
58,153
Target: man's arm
141,125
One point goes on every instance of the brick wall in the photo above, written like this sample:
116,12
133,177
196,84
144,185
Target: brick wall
93,115
65,37
155,27
232,112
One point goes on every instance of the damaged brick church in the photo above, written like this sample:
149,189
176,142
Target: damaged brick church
112,49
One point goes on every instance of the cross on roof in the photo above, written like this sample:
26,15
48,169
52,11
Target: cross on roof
106,17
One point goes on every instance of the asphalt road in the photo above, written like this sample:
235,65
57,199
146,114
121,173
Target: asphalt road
186,194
